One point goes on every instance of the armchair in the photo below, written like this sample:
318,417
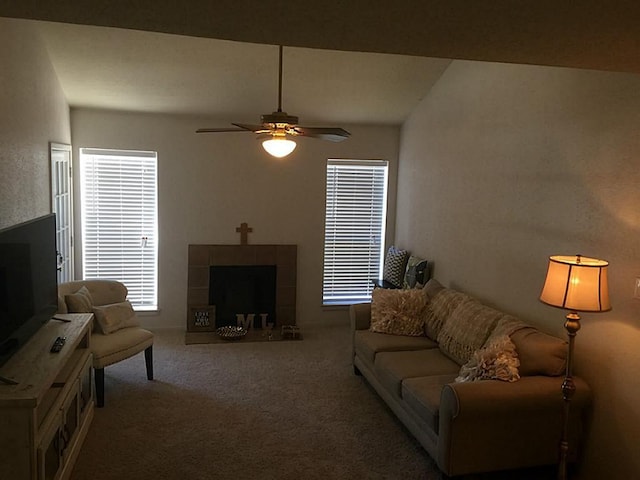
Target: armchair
123,341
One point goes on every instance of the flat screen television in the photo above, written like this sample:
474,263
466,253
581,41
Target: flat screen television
28,281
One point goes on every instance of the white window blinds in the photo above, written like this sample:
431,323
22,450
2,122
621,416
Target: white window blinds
354,229
119,220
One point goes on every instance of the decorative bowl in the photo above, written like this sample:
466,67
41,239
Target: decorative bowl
231,333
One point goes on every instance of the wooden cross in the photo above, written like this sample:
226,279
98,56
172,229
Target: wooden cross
244,231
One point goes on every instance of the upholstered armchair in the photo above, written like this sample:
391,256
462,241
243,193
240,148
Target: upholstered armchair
116,332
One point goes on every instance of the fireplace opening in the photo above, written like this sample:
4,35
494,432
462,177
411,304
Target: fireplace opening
243,290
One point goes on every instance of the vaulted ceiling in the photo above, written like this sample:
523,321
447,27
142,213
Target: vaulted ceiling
353,61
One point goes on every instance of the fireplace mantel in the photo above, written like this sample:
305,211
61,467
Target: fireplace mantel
284,257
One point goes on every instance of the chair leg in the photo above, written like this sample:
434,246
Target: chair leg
99,379
148,360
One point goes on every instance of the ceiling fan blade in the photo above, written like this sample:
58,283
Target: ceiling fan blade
215,130
333,134
251,128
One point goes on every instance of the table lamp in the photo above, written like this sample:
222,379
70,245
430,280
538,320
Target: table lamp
577,284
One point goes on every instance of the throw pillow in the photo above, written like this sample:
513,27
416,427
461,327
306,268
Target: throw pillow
115,316
467,330
395,264
398,312
416,272
79,302
496,360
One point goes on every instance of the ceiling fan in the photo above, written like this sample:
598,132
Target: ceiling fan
279,126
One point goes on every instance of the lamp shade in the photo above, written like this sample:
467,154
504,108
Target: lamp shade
279,146
577,283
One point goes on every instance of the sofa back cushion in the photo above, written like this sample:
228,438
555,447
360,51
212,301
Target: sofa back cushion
539,353
441,302
467,329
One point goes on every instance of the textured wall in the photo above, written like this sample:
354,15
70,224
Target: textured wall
33,112
209,184
504,165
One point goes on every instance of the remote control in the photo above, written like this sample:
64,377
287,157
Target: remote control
58,344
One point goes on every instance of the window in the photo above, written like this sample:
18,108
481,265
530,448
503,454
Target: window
119,221
354,229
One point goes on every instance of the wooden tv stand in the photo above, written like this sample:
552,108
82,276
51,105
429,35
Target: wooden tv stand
46,414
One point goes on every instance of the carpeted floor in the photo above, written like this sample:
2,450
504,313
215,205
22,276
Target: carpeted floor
270,410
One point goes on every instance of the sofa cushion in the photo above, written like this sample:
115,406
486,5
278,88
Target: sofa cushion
467,330
395,263
441,303
398,312
392,368
115,316
422,395
539,353
367,344
79,302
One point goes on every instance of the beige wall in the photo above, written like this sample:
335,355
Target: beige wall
33,112
209,184
504,165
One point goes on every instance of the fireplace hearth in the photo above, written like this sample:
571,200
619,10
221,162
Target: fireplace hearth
231,280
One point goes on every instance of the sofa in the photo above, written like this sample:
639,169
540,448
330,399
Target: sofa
479,389
116,333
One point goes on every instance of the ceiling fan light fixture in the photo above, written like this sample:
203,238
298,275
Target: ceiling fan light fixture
278,146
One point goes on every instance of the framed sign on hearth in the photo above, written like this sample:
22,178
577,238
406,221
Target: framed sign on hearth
202,319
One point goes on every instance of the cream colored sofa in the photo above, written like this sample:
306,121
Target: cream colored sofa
117,345
476,426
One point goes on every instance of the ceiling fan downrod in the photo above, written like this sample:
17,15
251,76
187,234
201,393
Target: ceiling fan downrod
279,117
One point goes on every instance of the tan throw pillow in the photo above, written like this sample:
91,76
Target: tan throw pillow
79,302
115,316
398,312
497,360
467,329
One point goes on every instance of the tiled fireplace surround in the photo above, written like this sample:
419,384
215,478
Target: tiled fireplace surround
284,257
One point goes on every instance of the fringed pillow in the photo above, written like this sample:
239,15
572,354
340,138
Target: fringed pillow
497,360
398,312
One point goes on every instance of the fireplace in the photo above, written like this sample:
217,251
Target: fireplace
246,290
250,275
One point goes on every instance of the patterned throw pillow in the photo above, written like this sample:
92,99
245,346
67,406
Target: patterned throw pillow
417,272
398,312
497,360
395,264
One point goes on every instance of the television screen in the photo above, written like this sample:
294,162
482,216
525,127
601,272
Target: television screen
28,281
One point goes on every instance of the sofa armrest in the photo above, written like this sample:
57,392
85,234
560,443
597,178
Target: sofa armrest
360,316
493,425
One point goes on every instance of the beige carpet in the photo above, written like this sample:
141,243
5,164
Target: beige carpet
266,410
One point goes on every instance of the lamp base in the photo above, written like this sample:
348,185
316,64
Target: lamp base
572,325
